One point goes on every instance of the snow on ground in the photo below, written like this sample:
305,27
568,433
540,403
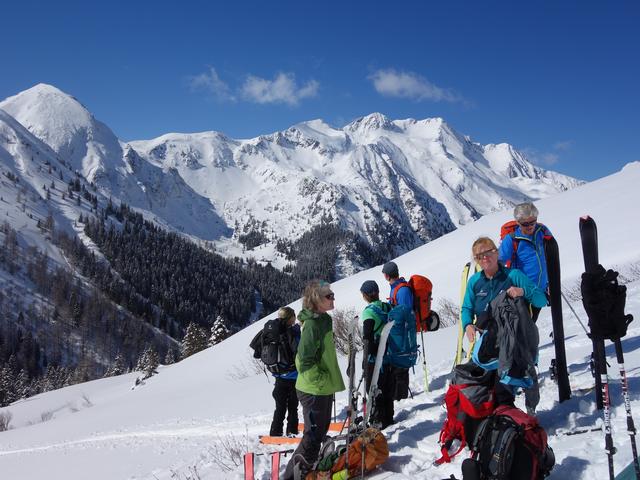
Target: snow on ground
179,423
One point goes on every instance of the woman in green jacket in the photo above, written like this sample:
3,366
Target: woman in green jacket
319,375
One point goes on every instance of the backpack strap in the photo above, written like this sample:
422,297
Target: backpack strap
515,242
394,294
380,313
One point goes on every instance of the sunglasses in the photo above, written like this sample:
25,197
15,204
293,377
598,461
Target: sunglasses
528,224
485,254
330,296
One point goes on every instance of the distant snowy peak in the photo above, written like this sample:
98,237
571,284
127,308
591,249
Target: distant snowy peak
68,128
512,163
394,183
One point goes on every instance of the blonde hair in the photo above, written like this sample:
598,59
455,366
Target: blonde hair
286,313
483,241
313,293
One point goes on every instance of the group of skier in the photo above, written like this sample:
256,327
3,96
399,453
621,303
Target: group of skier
515,272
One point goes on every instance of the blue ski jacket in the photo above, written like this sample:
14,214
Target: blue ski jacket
529,256
404,295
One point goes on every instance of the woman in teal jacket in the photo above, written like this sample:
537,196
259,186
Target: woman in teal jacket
486,285
319,375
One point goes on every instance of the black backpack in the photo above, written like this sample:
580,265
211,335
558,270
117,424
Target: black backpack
509,445
604,301
276,352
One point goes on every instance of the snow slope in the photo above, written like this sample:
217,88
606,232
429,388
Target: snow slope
176,425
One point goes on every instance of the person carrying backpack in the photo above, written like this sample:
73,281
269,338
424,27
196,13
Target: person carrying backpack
522,247
483,287
276,345
374,316
319,375
400,294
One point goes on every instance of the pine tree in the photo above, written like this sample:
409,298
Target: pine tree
152,362
7,392
22,385
195,339
219,331
170,357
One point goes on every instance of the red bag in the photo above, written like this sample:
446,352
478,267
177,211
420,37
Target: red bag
469,397
422,288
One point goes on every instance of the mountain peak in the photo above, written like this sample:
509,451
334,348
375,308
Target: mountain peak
373,121
44,103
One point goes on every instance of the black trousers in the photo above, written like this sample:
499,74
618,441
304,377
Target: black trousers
284,393
382,409
316,410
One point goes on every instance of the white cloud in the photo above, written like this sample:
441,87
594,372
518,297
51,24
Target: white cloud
210,82
394,83
282,89
563,145
543,159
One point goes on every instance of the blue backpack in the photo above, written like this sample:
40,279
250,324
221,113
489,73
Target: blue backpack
402,347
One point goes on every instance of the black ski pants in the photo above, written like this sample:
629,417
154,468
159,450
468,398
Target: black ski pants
316,410
382,410
284,393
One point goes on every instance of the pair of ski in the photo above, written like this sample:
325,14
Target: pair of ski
589,239
249,459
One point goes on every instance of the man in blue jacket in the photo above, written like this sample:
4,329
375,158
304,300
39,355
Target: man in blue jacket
524,248
400,293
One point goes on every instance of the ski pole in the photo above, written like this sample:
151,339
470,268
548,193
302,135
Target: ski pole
424,356
631,428
574,313
606,404
424,364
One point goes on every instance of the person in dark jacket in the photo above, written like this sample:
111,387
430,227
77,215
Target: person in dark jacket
319,375
373,319
284,390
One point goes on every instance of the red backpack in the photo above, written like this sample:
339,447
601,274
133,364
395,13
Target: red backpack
511,444
469,399
509,228
421,287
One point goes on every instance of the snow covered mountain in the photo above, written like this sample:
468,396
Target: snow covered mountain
196,418
396,184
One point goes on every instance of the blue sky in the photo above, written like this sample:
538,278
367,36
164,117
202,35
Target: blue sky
557,79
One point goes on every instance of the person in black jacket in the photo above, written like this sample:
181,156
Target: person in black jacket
278,354
284,391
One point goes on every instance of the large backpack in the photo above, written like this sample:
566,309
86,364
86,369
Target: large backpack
370,446
509,445
604,301
402,348
509,229
276,353
421,287
469,399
